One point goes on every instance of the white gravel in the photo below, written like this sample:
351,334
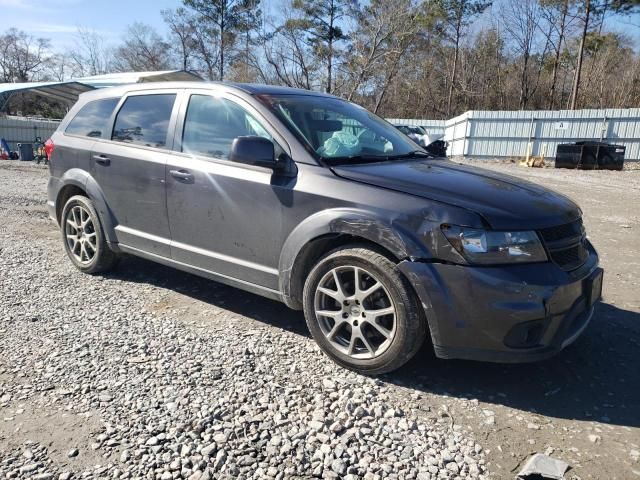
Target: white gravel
140,393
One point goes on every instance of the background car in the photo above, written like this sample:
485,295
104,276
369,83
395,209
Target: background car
433,143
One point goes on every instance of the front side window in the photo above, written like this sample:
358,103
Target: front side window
338,131
144,120
212,123
93,119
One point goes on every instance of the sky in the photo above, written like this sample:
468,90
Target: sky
59,20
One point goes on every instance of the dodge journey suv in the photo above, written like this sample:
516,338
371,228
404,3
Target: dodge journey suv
311,200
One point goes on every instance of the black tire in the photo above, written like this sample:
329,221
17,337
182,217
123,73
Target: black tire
103,259
410,321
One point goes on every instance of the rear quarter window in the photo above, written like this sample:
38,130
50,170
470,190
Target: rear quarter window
93,119
144,120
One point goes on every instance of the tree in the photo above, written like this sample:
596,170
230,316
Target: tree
207,50
60,68
588,11
409,23
382,31
558,16
319,20
521,21
456,16
182,30
402,58
90,56
250,22
286,57
142,49
482,70
625,6
591,11
23,58
225,19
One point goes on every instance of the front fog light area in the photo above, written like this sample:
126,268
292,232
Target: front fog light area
488,247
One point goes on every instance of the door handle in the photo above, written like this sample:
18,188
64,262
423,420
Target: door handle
181,175
102,160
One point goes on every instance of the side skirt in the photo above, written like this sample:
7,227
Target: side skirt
201,272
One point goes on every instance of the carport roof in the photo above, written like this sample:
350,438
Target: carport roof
64,91
115,79
68,91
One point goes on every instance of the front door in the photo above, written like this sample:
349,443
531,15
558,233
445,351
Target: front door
130,169
224,217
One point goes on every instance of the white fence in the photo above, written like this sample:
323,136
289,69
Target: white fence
432,126
25,129
509,133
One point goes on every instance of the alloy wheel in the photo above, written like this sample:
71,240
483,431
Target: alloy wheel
81,234
355,312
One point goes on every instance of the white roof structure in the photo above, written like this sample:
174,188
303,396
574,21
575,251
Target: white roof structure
68,91
125,78
64,91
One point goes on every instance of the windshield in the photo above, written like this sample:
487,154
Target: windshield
338,131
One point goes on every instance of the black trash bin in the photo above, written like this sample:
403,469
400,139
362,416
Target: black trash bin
590,155
611,157
25,151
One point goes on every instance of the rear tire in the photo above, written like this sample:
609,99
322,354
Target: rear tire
83,237
373,328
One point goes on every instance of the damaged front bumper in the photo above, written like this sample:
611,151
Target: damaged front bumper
512,313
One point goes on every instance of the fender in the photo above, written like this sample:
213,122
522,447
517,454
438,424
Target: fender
86,182
359,223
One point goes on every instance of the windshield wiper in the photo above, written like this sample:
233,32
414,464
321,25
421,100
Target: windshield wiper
374,158
415,153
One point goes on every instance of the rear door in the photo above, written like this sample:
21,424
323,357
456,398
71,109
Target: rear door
130,169
74,145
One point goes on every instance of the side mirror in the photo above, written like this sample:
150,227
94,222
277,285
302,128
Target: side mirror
253,150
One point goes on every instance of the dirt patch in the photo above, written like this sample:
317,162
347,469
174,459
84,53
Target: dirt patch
59,431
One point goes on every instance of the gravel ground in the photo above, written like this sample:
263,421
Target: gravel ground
101,378
153,373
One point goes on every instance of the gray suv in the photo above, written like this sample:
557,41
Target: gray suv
313,201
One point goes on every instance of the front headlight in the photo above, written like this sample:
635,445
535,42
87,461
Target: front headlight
487,247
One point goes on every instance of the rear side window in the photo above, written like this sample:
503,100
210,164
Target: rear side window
212,123
93,119
144,120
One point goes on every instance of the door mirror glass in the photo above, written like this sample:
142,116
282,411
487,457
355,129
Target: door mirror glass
253,150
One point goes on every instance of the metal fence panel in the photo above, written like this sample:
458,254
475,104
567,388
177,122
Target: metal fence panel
432,126
509,133
25,130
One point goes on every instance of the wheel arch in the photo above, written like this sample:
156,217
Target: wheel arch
66,192
328,230
79,182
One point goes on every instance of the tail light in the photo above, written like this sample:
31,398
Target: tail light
49,147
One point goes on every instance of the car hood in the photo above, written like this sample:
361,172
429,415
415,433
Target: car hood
505,202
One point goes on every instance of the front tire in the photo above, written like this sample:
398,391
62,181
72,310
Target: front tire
362,312
83,237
